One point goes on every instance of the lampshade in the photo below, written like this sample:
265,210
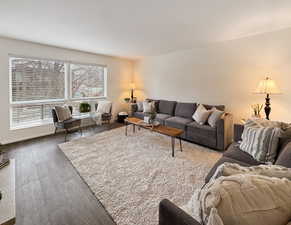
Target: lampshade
267,86
132,86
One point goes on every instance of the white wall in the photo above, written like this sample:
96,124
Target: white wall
224,73
119,75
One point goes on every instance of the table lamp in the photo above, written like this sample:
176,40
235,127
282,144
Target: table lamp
268,87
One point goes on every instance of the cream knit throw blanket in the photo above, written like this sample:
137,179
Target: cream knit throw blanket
232,185
245,199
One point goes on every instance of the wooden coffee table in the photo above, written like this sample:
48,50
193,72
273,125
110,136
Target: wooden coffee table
165,130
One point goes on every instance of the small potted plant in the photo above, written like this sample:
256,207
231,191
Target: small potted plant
257,108
84,107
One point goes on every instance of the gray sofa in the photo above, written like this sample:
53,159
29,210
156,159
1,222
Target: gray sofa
179,115
170,214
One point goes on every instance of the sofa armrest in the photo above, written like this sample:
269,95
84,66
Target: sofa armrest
170,214
224,131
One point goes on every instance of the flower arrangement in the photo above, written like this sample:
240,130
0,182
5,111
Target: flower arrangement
257,108
150,116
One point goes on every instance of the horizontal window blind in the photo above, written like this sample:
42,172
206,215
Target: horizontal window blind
87,81
33,79
22,115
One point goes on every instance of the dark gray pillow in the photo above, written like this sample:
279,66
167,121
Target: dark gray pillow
185,110
167,107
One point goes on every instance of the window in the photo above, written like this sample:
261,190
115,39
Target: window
87,81
37,85
37,80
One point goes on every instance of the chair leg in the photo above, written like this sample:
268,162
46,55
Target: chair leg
81,130
66,135
56,130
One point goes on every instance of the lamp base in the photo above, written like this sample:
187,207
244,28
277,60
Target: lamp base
267,107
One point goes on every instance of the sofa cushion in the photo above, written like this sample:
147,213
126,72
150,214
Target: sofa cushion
185,110
177,122
219,107
72,123
162,117
236,153
167,107
139,115
284,158
201,134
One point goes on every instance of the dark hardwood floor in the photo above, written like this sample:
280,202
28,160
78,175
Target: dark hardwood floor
49,191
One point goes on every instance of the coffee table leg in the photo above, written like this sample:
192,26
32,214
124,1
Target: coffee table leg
126,128
180,144
133,128
173,146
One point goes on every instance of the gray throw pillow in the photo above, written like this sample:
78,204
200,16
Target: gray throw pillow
214,116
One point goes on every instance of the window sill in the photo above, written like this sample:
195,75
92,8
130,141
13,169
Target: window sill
48,122
31,125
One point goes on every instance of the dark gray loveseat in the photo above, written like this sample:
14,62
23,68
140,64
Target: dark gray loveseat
170,214
179,115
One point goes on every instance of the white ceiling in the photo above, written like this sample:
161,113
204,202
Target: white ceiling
134,28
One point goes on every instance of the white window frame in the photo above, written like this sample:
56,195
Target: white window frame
67,89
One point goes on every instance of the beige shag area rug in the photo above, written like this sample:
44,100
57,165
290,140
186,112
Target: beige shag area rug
130,175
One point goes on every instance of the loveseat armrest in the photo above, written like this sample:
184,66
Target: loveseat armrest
238,130
224,131
170,214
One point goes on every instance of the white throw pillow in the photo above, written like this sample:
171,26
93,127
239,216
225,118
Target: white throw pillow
214,116
104,107
148,107
246,199
63,113
139,106
201,114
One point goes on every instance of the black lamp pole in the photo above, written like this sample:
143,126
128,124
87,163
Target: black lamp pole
131,94
267,107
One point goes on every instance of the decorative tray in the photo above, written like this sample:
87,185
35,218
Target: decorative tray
154,124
